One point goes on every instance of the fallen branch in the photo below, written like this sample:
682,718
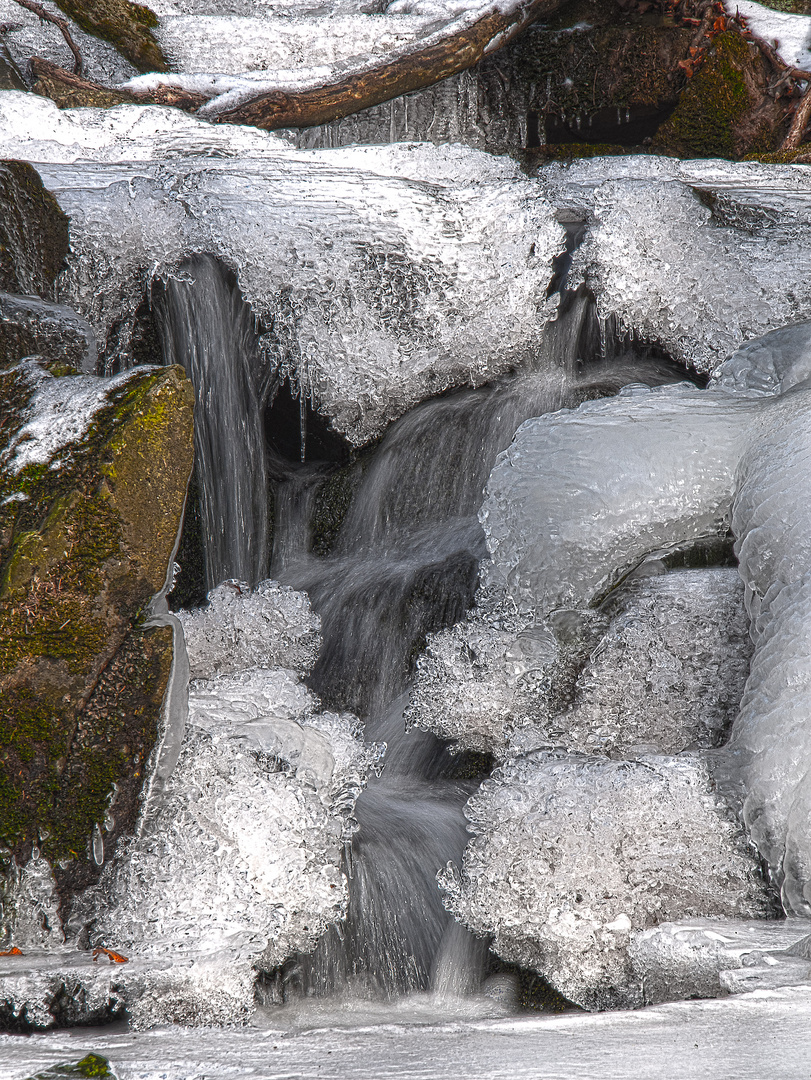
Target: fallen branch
802,116
72,91
57,20
400,72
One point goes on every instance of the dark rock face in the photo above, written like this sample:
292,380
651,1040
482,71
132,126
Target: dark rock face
33,327
85,541
33,232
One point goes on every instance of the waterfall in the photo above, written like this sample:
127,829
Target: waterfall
404,563
208,329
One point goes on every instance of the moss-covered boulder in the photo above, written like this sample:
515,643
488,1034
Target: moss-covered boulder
127,26
726,109
92,484
33,232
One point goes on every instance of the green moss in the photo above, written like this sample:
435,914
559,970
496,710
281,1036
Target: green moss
714,100
127,26
91,1066
80,555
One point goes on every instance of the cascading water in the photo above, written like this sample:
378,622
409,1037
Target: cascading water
209,330
405,563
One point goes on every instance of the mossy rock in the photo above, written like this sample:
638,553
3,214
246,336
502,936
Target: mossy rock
127,26
90,1066
725,110
85,541
34,239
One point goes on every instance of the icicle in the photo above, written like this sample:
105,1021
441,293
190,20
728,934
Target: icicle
303,423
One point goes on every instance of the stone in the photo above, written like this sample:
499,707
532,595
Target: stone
33,232
90,508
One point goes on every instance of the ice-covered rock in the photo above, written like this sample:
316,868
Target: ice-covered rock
572,854
379,276
669,673
238,864
665,674
270,626
582,497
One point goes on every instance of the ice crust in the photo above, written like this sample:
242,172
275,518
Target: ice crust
571,854
237,863
438,257
661,670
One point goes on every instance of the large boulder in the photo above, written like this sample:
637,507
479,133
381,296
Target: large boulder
92,484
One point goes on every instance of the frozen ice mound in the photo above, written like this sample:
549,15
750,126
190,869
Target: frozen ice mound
660,668
573,854
238,864
669,673
377,277
581,497
240,628
770,364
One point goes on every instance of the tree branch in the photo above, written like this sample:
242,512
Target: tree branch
57,20
400,72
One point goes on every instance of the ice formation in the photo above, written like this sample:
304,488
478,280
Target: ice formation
433,281
237,864
665,674
731,457
572,854
239,628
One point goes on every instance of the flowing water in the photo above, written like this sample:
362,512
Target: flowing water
209,330
403,563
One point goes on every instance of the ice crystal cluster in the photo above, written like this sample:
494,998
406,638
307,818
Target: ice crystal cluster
661,668
602,797
238,864
269,626
572,853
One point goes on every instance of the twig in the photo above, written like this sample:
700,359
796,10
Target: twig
46,16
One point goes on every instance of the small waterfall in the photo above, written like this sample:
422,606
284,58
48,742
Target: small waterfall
206,327
404,563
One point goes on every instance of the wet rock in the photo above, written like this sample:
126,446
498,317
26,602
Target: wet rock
33,327
92,483
33,232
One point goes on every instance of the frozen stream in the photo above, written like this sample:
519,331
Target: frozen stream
483,509
743,1038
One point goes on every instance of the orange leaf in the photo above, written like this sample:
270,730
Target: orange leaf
14,951
116,958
